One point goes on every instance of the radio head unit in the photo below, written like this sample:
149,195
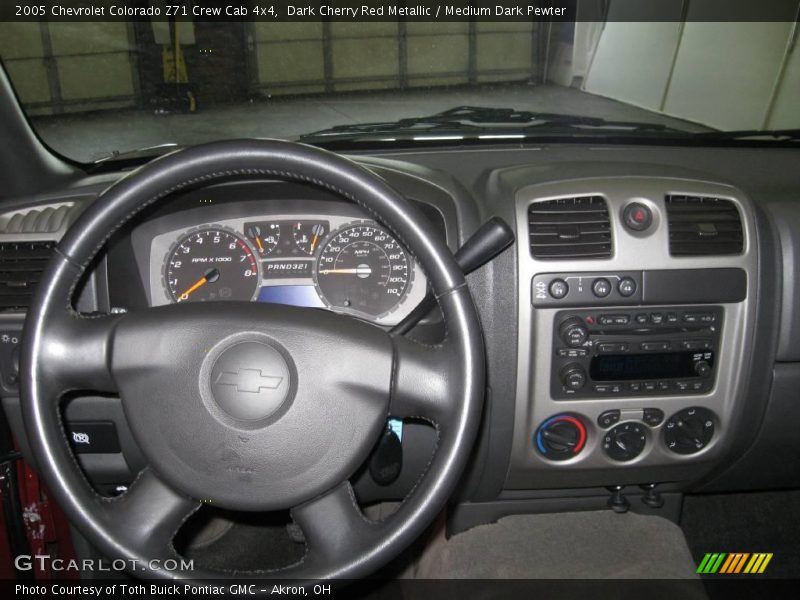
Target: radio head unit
641,352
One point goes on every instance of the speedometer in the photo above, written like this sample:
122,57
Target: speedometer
211,264
362,269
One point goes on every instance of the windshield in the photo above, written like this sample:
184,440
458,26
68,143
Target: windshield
94,90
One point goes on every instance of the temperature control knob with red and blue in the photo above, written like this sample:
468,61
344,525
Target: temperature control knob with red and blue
560,437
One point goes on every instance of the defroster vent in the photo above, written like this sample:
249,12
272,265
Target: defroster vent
703,226
21,266
570,228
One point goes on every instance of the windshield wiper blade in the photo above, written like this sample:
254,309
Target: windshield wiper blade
156,150
466,119
788,135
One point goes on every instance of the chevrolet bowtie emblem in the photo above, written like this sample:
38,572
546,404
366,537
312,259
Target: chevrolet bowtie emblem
248,380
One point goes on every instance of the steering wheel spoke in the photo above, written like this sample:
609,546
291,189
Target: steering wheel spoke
78,353
331,523
150,513
422,385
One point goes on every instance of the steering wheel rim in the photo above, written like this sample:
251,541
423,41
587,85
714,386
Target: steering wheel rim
442,384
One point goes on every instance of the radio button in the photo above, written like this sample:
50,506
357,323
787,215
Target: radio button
601,287
656,318
649,386
653,416
698,317
573,352
672,318
626,287
663,386
641,318
573,377
697,345
682,385
558,288
614,319
650,346
609,348
608,418
697,386
702,368
635,386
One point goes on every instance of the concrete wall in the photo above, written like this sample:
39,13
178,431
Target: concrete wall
60,67
336,57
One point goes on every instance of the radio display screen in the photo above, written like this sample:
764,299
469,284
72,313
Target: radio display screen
662,365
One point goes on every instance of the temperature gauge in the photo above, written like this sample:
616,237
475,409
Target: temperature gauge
308,234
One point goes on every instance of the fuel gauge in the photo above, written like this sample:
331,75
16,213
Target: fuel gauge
308,234
265,236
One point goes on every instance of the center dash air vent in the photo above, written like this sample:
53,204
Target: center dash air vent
21,266
703,226
570,228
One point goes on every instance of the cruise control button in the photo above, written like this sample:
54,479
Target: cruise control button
626,287
601,287
558,288
608,418
653,416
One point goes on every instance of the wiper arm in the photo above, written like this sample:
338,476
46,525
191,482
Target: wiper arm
156,150
788,135
465,119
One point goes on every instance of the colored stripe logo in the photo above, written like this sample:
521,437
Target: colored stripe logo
734,563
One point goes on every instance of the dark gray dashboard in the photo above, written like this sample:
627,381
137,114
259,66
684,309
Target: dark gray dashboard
754,397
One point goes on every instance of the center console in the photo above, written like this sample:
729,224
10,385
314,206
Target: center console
636,319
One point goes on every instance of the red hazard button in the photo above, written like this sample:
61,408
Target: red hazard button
637,216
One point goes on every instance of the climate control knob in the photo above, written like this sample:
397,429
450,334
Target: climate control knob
560,437
689,430
573,376
573,332
625,442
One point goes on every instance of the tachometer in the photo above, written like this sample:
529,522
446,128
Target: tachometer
211,264
364,270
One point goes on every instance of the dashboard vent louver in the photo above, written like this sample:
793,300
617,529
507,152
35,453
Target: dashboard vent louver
46,219
703,226
21,266
570,228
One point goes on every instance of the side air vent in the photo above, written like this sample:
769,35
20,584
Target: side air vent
703,226
570,228
48,219
21,266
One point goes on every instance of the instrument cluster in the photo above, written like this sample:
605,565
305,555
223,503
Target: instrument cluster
341,263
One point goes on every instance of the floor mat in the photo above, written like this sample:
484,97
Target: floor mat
582,545
750,522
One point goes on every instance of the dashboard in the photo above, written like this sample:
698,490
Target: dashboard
304,252
595,358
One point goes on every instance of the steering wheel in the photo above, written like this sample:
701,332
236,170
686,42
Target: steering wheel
325,384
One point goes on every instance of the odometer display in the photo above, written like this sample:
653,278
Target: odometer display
363,269
211,264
